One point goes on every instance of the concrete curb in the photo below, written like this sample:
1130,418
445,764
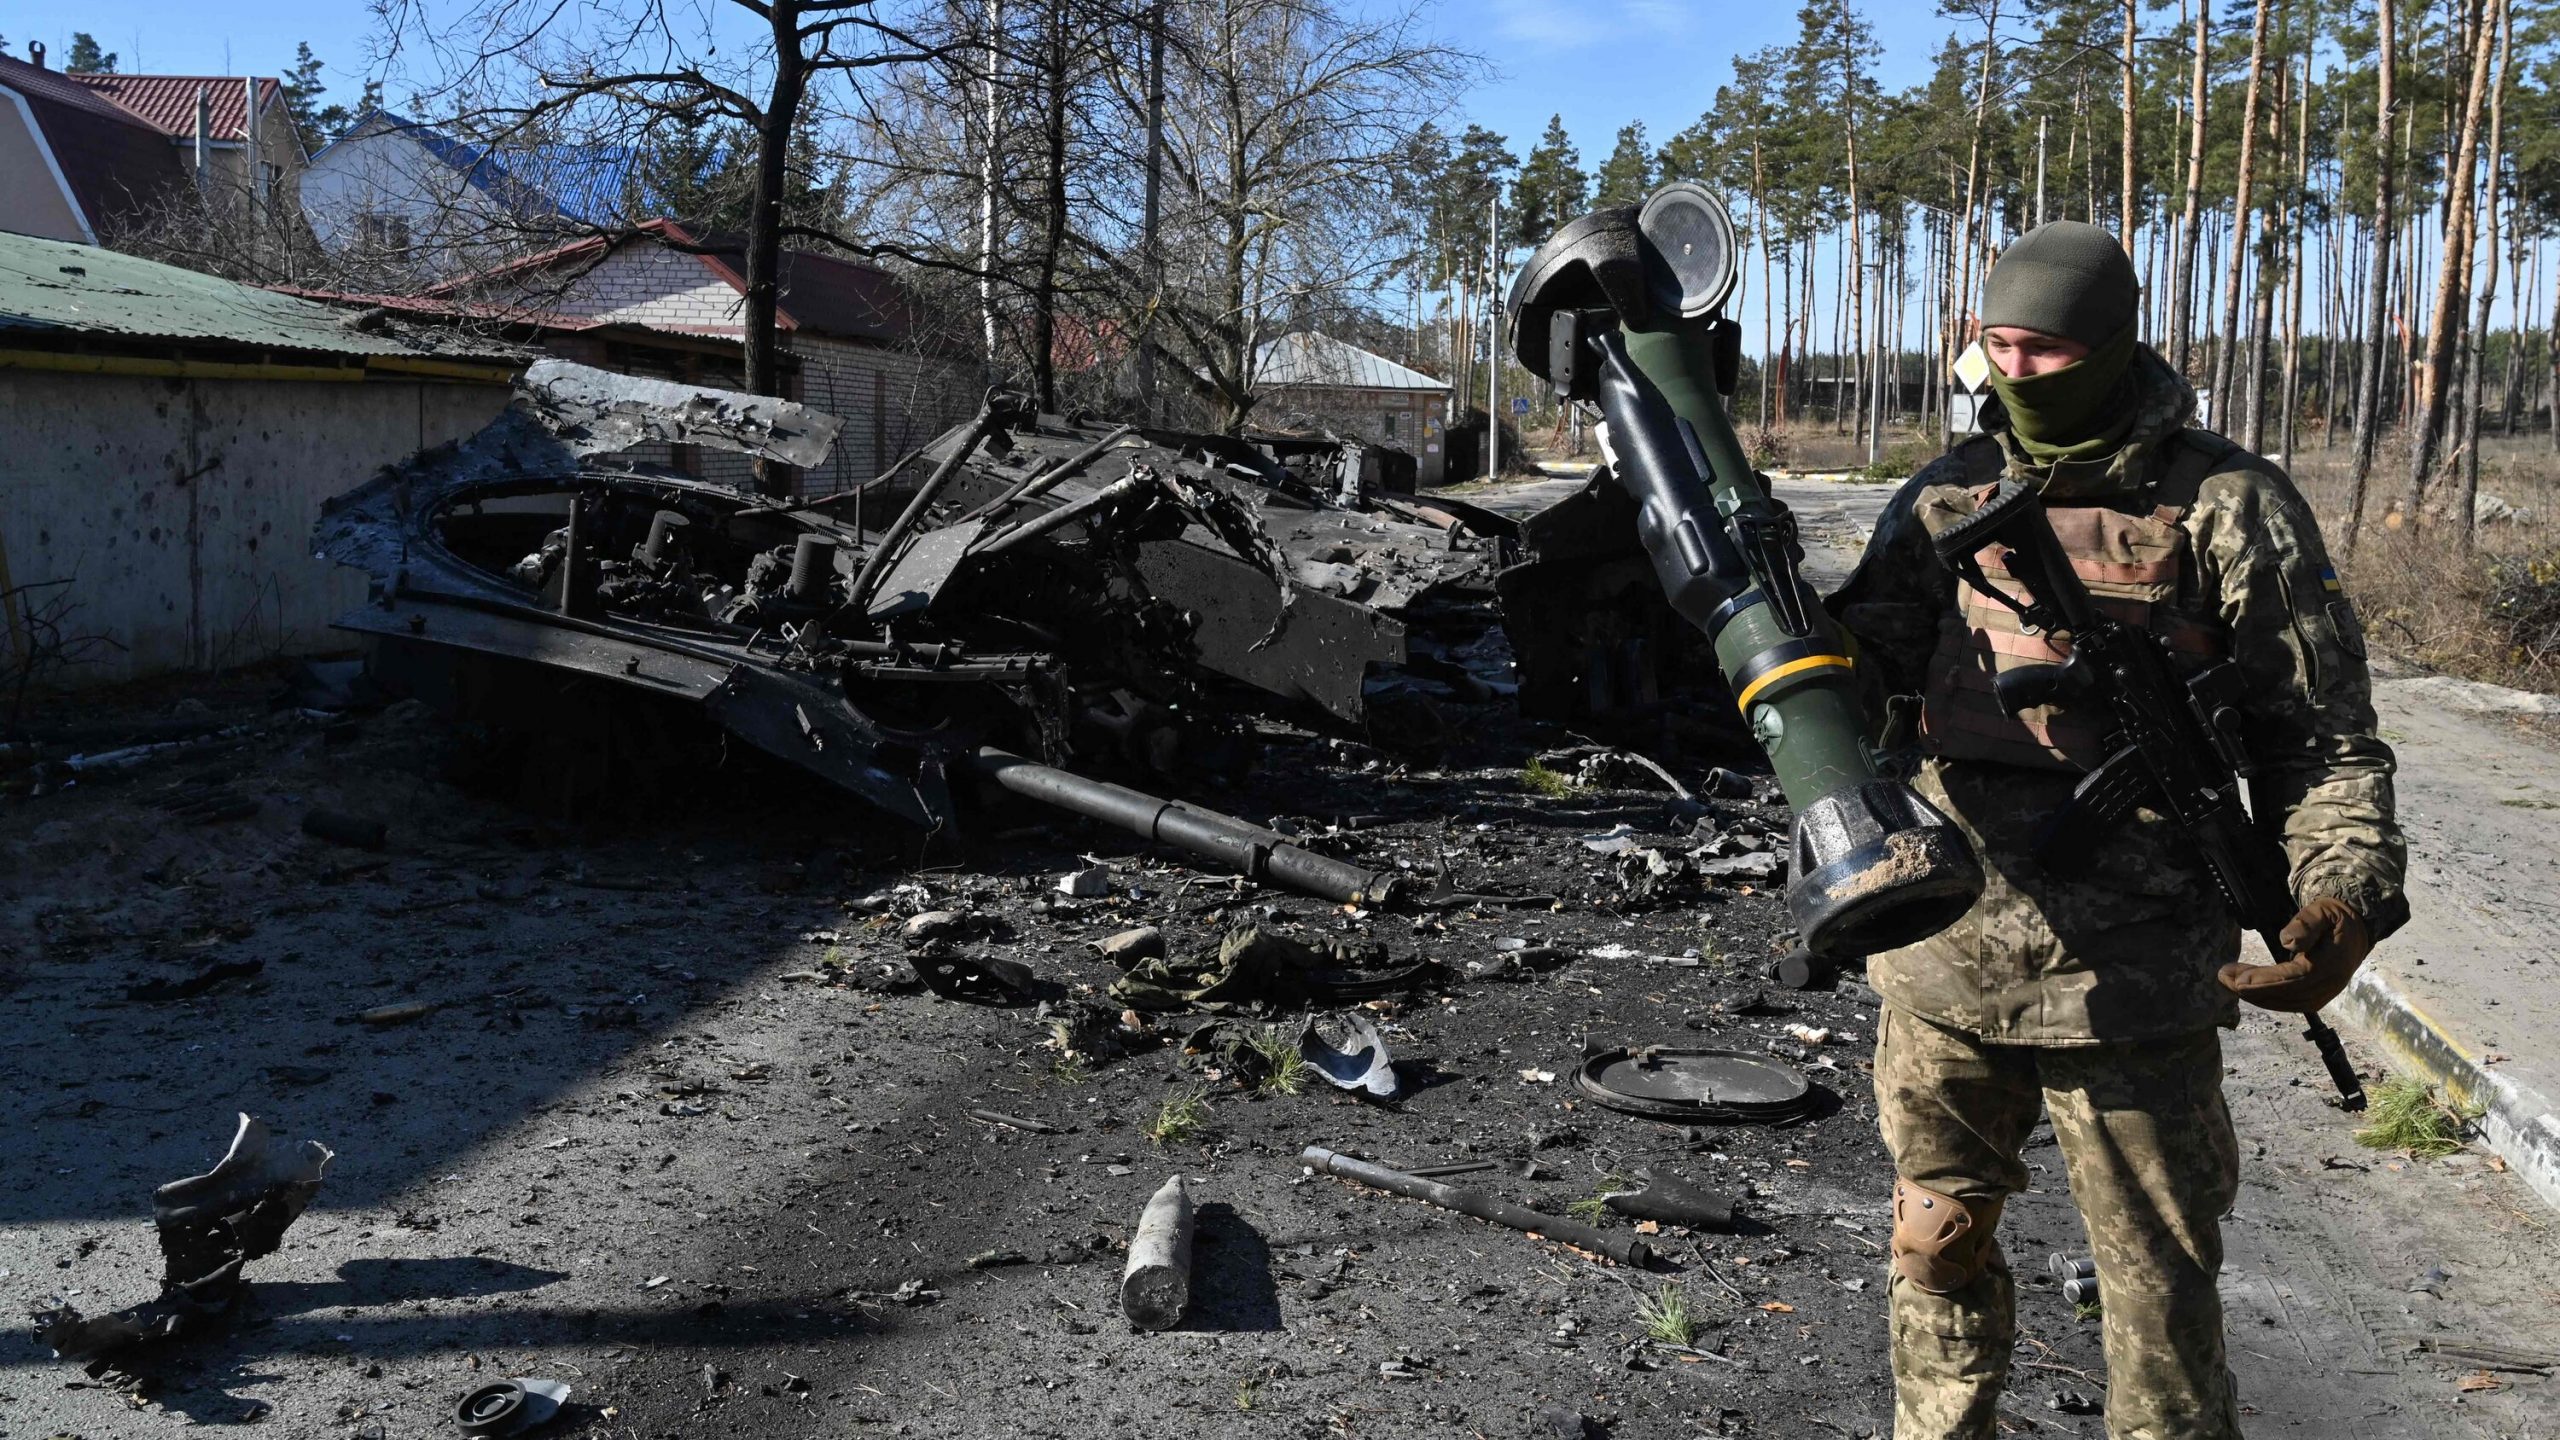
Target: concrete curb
2517,1122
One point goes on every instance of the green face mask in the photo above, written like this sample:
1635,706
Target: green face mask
2078,412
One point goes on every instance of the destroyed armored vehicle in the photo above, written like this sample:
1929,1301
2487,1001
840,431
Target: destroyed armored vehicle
1024,592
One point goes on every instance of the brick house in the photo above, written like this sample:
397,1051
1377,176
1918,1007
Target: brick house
1304,377
858,341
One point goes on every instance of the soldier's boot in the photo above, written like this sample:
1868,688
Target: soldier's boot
1954,1315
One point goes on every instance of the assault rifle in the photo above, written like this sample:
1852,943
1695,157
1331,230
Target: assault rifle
2177,742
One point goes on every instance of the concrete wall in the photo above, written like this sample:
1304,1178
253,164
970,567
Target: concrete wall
181,510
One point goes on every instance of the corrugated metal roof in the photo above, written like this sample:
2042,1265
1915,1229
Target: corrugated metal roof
167,103
55,288
1305,358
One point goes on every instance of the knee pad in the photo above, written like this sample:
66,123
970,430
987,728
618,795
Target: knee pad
1940,1243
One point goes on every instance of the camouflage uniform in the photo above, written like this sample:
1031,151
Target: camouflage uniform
2096,996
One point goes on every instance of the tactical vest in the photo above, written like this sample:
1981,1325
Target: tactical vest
2134,562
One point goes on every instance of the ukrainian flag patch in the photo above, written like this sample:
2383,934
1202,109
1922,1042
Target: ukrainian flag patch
2329,579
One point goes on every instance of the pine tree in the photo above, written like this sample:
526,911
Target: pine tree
315,123
1550,189
1626,177
87,58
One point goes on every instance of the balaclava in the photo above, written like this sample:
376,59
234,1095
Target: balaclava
2073,281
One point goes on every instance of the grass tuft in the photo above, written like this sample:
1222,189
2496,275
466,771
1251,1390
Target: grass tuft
1248,1392
1537,779
1665,1316
1181,1117
1278,1049
1591,1209
2407,1116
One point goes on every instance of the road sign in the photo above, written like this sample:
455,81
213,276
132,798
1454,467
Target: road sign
1519,404
1973,368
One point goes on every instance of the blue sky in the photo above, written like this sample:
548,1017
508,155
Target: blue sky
1598,63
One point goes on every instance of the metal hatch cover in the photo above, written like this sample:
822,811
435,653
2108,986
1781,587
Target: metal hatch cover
1689,1086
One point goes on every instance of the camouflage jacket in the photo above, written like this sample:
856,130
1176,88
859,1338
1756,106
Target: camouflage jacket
2129,952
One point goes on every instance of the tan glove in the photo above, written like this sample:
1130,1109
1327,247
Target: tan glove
2327,941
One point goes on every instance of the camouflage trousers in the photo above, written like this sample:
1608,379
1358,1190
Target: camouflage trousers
2153,1167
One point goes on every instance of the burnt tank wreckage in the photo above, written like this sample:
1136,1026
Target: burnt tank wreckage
1024,593
1024,603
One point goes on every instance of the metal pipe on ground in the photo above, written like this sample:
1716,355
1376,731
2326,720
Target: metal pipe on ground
1624,1250
1249,850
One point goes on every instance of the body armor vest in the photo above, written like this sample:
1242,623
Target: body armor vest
2135,563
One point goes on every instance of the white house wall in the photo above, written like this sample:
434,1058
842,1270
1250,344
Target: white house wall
453,225
181,510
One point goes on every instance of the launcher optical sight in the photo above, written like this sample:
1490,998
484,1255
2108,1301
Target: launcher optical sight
1623,309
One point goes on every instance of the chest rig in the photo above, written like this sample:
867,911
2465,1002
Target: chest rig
2134,555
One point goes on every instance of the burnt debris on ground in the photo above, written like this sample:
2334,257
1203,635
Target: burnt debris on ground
752,1107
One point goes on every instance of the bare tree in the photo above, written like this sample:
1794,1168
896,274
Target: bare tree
624,74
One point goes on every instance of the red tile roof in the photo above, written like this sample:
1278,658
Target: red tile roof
167,103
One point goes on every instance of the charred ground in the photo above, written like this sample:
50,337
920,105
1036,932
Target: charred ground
689,1139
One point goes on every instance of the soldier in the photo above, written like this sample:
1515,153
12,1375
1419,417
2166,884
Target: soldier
2100,998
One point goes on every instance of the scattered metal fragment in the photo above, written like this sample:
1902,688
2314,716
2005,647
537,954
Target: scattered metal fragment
1673,1201
1359,1063
996,1259
509,1407
2495,1357
979,979
1624,1250
1156,1285
1013,1122
1457,1167
210,1226
1687,1086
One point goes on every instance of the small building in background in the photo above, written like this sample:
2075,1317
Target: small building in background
406,200
857,341
1306,379
88,157
170,438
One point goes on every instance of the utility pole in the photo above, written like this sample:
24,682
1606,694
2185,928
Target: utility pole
1155,212
1493,337
987,179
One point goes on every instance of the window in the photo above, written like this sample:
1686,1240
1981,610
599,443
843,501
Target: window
1388,428
383,234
